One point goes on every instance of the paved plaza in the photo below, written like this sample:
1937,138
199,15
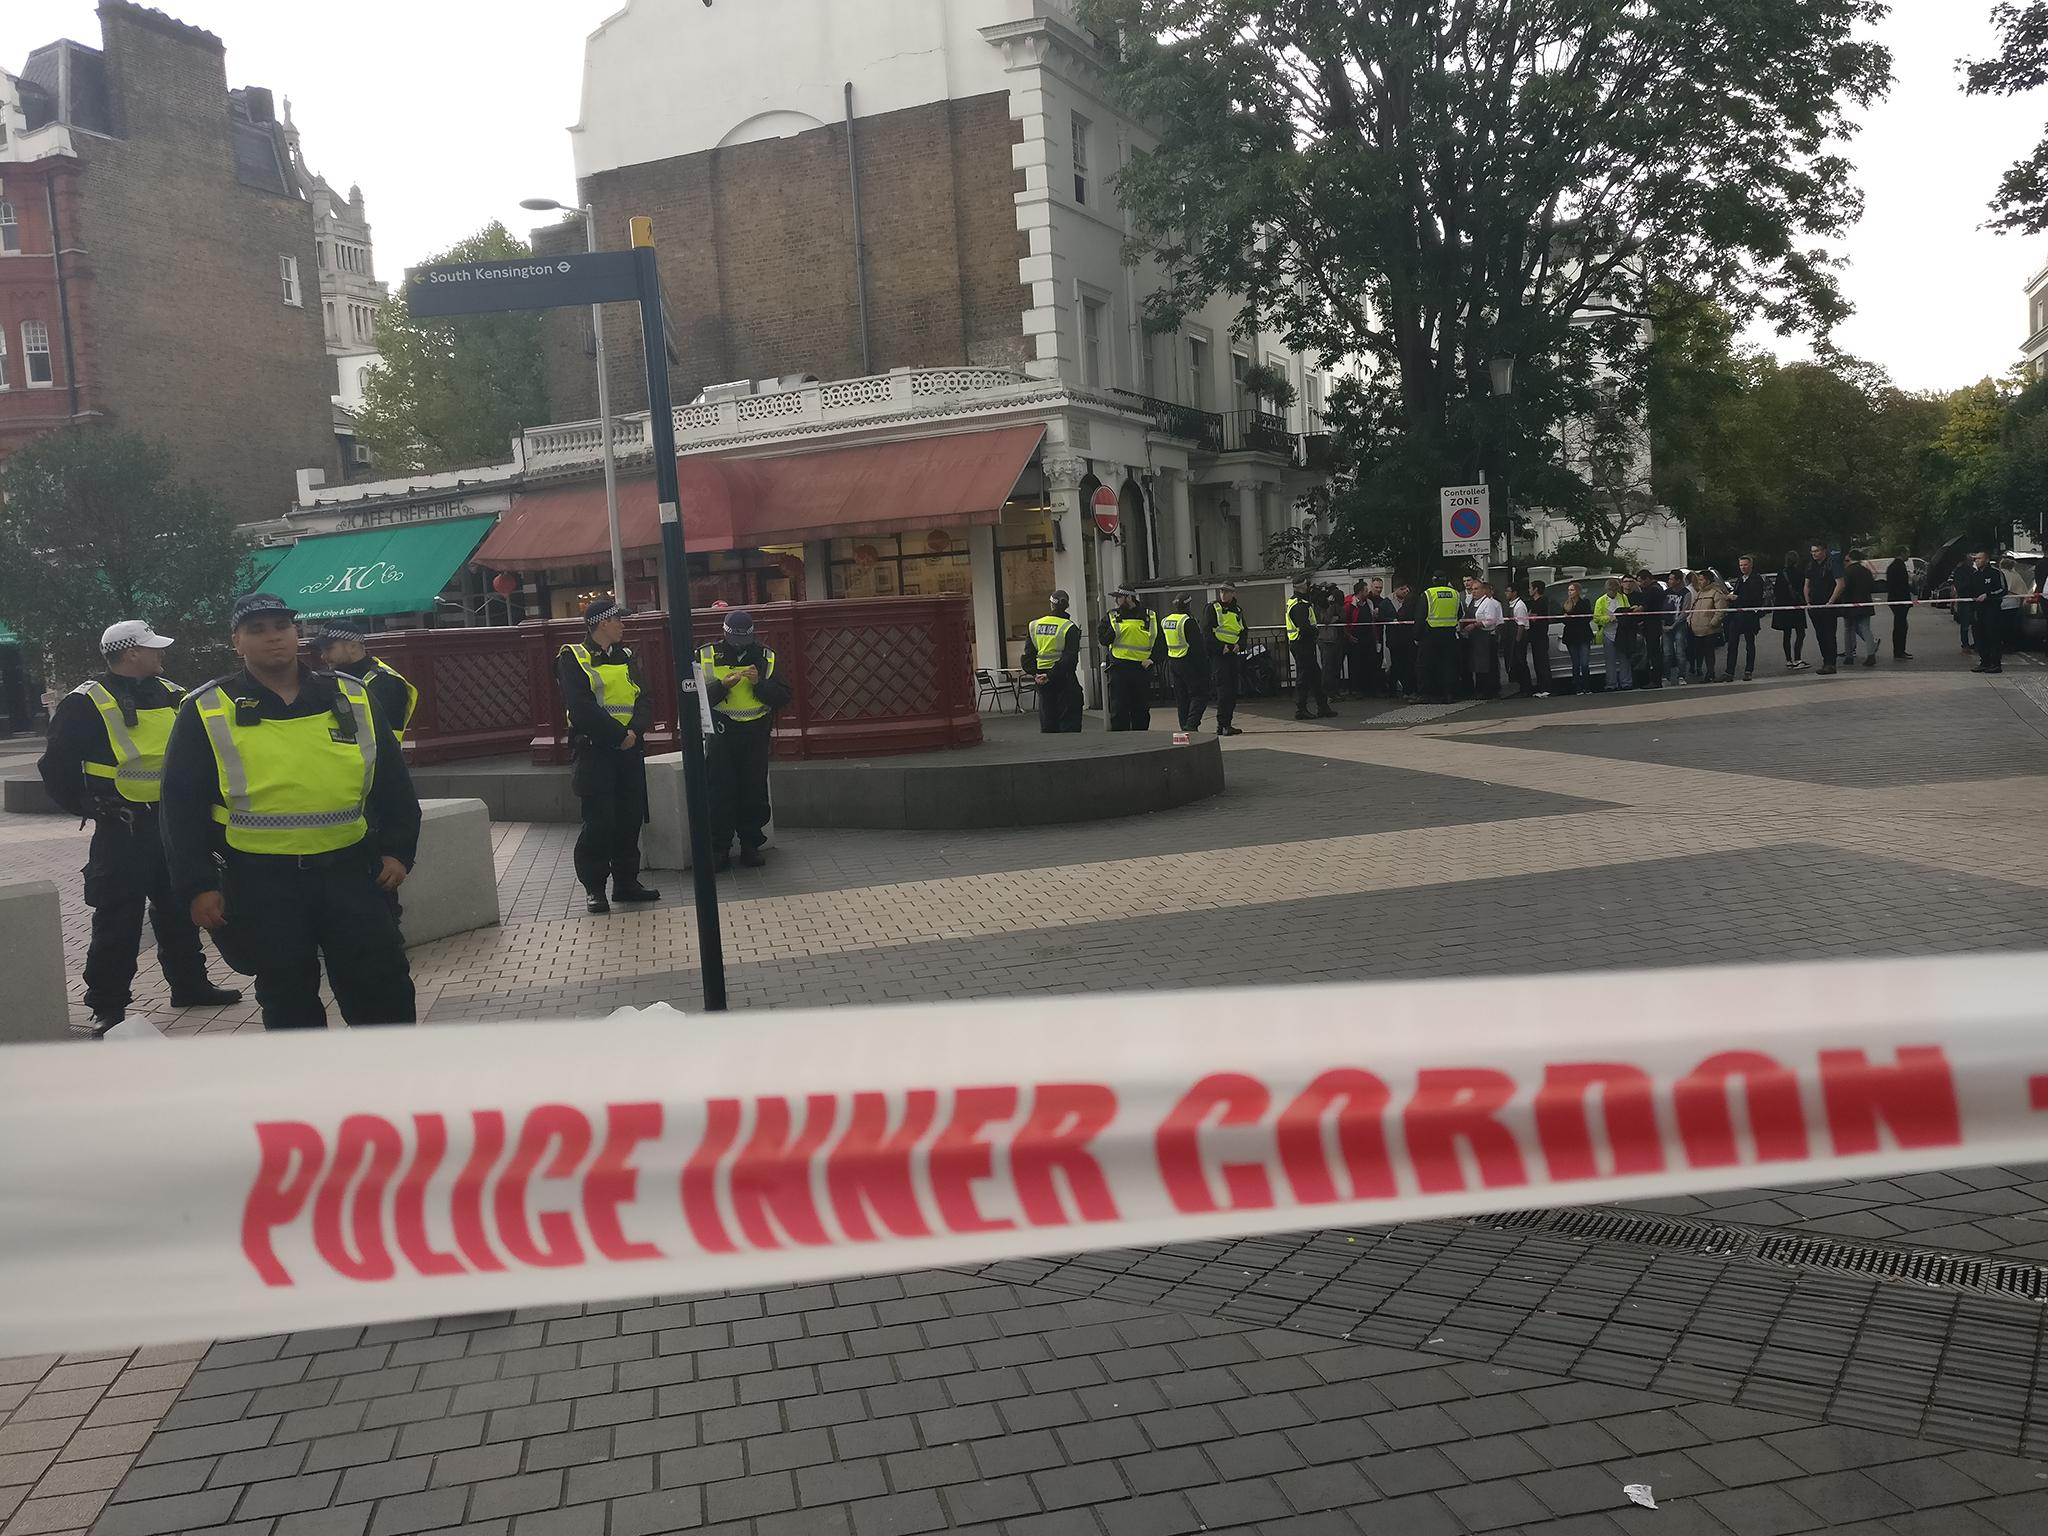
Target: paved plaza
1860,1357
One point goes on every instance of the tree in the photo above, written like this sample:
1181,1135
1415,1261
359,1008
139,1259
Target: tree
1429,186
2021,202
1609,448
450,394
95,527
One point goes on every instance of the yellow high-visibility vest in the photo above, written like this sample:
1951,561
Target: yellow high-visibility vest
741,702
611,683
412,694
1175,627
1049,639
137,770
1294,628
1441,604
1605,607
1134,638
1227,623
293,786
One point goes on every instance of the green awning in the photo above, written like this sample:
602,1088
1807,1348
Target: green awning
379,570
257,565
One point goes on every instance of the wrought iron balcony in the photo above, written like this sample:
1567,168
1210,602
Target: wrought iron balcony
1203,429
1257,432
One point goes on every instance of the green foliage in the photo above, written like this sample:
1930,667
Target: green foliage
451,394
1269,386
1581,551
2021,64
95,527
1429,187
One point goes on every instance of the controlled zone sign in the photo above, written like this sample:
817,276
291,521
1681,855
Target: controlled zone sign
529,282
1467,519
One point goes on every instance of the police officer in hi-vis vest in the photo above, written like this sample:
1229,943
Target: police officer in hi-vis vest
744,689
609,710
290,822
1131,635
1226,650
104,763
342,649
1055,661
1437,660
1188,658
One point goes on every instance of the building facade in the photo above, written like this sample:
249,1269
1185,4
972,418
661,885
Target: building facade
180,301
859,194
351,297
2034,350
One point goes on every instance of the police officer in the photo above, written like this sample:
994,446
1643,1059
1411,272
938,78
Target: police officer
1188,657
1438,639
290,822
1301,645
1226,649
342,649
1056,666
1987,586
1131,634
609,709
744,691
104,762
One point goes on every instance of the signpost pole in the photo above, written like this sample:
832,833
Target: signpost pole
682,642
604,411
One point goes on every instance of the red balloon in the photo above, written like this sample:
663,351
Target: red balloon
504,584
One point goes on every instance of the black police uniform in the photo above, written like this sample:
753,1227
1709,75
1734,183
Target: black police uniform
1225,666
388,694
1191,683
1130,682
284,912
124,868
1987,595
739,753
1059,696
610,778
1308,668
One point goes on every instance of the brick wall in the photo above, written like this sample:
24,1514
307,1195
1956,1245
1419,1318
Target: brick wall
195,341
29,291
757,256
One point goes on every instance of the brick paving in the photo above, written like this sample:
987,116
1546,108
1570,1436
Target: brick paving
1444,1377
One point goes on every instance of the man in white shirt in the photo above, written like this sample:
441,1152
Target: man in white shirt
1518,645
1483,630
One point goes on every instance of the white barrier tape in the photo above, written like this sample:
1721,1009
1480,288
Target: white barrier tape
209,1188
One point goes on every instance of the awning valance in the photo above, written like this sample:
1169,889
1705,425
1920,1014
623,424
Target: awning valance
377,570
958,479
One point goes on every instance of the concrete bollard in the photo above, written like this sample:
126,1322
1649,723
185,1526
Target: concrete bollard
453,887
666,842
32,938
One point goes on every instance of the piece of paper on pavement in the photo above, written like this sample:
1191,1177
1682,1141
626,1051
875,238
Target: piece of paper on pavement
137,1026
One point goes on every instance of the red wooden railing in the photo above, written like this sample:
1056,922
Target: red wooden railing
870,676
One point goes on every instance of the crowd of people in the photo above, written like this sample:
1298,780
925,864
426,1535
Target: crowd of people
1644,630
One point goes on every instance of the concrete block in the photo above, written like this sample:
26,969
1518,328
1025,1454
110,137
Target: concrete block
23,795
665,844
32,939
453,887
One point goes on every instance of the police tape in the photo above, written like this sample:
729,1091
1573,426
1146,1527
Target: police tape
227,1187
1466,621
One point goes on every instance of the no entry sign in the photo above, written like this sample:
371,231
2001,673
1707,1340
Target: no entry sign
1467,519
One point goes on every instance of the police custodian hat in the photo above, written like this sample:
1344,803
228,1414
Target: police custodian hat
256,604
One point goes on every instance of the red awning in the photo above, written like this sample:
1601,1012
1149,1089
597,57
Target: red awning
730,503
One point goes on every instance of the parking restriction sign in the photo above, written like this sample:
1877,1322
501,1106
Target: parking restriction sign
1468,520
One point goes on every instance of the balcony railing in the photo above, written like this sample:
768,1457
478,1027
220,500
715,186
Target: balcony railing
1191,424
839,403
1257,432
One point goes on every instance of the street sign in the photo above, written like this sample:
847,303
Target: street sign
1468,519
532,282
1107,511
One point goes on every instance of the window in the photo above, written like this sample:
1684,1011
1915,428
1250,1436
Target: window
321,246
1091,343
1315,402
3,359
1198,373
1240,365
35,354
1148,359
1080,158
332,333
288,274
913,565
10,229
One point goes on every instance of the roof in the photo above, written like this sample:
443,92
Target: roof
66,82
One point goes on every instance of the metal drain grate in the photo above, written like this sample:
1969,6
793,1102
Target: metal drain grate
1878,1261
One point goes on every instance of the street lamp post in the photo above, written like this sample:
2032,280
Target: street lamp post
604,393
1501,370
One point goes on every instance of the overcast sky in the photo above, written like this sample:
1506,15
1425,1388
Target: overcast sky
449,114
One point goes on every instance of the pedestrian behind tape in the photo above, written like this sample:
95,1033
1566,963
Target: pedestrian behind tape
289,823
743,683
104,764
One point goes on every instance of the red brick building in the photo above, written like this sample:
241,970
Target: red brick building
175,292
